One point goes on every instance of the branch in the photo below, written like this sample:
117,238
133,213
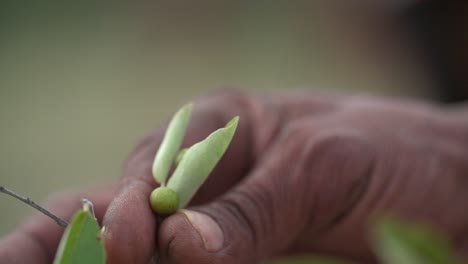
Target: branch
30,202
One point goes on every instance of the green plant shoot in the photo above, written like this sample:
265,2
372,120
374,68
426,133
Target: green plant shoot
199,160
180,156
81,242
170,145
192,165
397,242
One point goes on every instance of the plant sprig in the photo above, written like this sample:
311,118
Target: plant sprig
192,165
169,147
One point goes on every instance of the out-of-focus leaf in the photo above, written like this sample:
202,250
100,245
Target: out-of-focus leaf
199,160
308,260
170,144
397,242
81,241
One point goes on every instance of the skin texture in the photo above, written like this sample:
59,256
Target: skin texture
304,174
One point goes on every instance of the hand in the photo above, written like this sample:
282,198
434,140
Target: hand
303,174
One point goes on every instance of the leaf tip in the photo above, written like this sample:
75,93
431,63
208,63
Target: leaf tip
171,142
184,111
233,122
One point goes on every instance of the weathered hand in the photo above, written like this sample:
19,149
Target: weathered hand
303,174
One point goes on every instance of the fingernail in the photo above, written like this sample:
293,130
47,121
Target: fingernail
209,231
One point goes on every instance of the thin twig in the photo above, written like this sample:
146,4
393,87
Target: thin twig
31,203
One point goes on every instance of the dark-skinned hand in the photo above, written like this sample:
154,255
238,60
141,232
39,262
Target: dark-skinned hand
303,174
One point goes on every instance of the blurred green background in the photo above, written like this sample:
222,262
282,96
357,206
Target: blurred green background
81,82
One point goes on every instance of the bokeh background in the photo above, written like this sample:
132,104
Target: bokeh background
80,82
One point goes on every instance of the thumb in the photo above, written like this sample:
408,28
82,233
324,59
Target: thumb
244,226
267,212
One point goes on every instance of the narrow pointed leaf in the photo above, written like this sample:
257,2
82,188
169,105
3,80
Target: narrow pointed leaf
170,145
397,242
199,160
81,241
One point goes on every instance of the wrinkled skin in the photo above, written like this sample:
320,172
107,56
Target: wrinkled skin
304,174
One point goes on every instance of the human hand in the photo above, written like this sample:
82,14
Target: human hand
304,174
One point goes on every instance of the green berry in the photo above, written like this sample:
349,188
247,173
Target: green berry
164,201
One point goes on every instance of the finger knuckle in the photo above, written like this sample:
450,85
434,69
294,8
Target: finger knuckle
332,147
253,210
337,166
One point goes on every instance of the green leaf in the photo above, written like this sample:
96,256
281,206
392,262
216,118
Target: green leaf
397,242
81,241
180,156
307,260
199,160
171,143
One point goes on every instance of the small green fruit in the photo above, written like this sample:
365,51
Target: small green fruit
164,201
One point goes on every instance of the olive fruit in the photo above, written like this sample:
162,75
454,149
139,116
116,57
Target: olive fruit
164,201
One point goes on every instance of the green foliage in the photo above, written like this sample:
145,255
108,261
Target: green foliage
397,242
81,241
192,165
199,160
308,260
170,144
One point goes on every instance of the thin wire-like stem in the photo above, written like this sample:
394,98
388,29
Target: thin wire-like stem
31,203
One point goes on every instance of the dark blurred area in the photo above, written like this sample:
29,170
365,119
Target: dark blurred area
81,81
440,31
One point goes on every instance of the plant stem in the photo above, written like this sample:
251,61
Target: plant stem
31,203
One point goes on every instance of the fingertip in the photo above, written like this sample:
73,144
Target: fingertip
207,228
189,236
129,226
